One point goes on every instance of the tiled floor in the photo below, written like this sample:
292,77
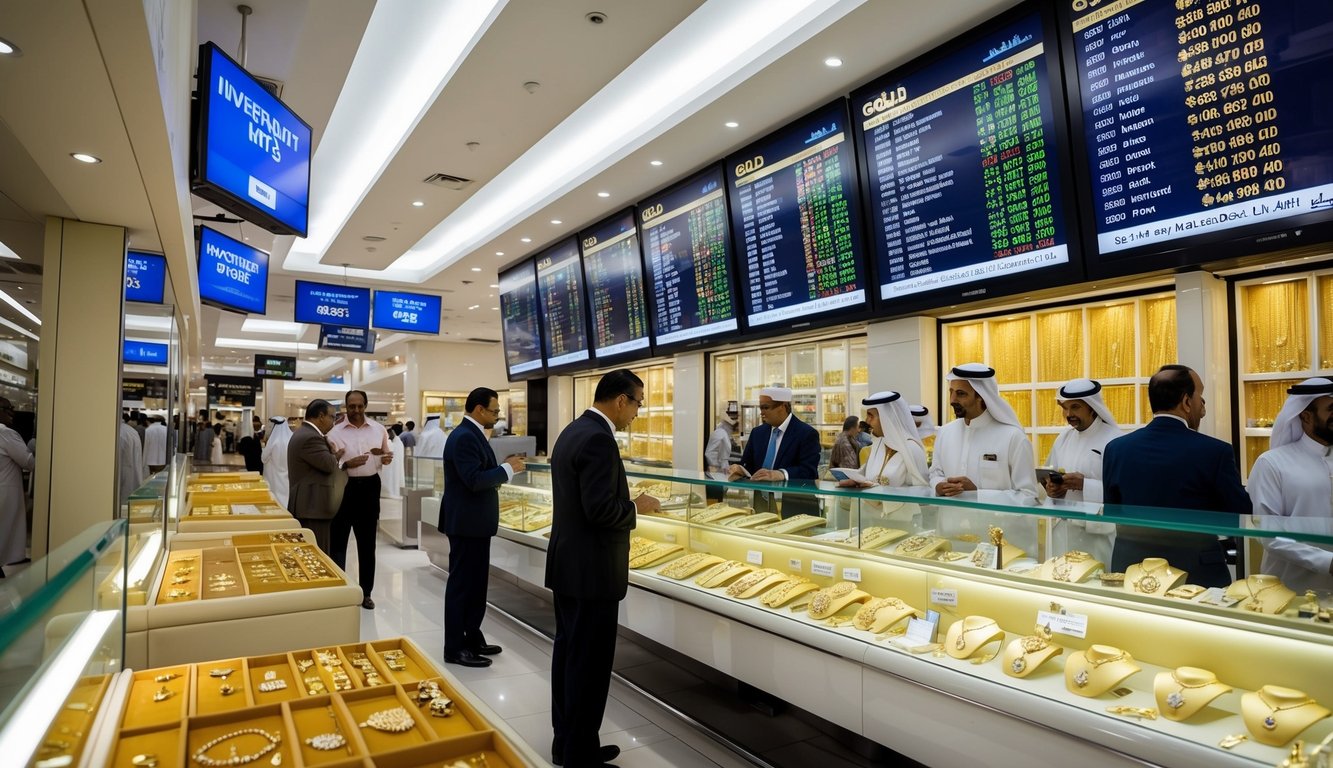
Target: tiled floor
409,601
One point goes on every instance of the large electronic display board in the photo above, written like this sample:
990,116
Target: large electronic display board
687,254
232,275
1202,124
410,312
964,155
564,316
325,304
144,352
613,280
145,277
520,320
252,153
346,339
797,220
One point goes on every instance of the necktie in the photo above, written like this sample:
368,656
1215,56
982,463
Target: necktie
772,453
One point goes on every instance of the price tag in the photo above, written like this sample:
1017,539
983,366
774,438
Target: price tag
820,568
670,538
1072,624
920,631
755,557
794,564
851,574
987,557
944,597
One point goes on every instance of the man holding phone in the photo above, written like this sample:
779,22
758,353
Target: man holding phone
470,516
1076,459
363,446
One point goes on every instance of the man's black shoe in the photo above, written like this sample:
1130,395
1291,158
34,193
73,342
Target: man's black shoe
467,659
368,604
487,650
605,753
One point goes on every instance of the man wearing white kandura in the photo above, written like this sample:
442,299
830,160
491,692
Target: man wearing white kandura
896,457
430,443
274,457
1291,486
1077,458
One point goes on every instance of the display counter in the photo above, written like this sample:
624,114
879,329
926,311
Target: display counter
899,616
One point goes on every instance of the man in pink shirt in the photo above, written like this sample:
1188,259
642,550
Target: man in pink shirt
364,448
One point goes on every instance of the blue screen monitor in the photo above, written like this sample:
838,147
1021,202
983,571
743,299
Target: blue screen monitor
144,352
252,153
232,275
324,304
346,339
520,321
560,291
145,277
613,281
410,312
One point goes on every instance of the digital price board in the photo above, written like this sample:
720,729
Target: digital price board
410,312
346,339
324,304
560,290
275,367
965,167
613,279
232,275
687,256
797,220
1202,123
145,277
520,320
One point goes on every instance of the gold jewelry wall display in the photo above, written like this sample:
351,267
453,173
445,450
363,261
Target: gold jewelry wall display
1261,593
392,720
1024,655
236,758
1153,576
1097,670
1275,715
1183,692
964,638
829,601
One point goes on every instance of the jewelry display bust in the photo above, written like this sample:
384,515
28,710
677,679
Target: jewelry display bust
1025,654
1153,576
1097,670
965,638
1261,593
1275,715
1072,567
827,602
1183,691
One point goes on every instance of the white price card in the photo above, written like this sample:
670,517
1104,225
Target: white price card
794,563
754,557
944,597
920,631
851,574
821,568
1072,624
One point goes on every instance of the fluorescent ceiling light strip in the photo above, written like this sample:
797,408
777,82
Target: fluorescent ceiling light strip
27,727
147,323
691,66
282,327
11,301
19,328
262,345
409,51
6,252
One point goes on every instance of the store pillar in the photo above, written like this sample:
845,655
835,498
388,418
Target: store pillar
689,408
1201,343
78,412
903,357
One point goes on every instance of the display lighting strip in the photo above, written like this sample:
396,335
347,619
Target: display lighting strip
27,726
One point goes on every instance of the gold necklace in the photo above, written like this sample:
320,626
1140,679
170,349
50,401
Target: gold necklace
1081,679
1147,583
961,642
1177,700
1064,564
1254,604
271,743
1270,722
913,544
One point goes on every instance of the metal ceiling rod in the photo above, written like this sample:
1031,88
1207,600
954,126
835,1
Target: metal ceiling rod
245,12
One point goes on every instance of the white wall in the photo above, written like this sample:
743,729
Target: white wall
449,366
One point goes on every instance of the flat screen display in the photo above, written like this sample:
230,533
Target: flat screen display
234,391
346,339
613,277
144,352
564,315
275,367
797,219
964,167
1202,122
232,275
687,255
324,304
410,312
145,277
520,318
252,152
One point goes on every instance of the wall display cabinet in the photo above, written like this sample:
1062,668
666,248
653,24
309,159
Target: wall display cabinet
1119,342
976,612
649,437
449,406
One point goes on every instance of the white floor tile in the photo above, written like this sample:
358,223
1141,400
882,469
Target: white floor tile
515,696
663,754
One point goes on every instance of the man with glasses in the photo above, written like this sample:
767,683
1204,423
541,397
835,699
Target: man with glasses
365,448
782,448
470,512
587,565
14,459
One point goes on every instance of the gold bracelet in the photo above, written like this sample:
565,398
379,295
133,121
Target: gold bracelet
1140,713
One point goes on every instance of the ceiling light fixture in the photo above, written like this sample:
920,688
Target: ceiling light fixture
603,194
525,239
476,269
557,221
417,203
833,61
655,163
499,253
9,49
84,157
732,124
474,306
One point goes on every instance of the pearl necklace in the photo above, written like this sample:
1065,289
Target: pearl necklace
201,755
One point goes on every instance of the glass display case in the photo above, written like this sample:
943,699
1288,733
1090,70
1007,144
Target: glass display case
1118,342
1014,608
649,438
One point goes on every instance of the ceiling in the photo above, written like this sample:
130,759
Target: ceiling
533,72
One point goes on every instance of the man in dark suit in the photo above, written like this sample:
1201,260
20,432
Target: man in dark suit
310,467
1169,464
470,510
782,448
587,565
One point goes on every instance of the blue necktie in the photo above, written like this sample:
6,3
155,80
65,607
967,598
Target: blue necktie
772,453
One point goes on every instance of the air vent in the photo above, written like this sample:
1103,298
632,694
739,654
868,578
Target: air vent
483,341
272,86
456,183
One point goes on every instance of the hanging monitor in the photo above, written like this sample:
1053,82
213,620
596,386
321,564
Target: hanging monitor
346,339
232,275
325,304
145,277
408,312
564,318
613,278
144,352
520,320
275,367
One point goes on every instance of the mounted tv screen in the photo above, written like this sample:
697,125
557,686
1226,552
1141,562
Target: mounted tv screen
963,160
324,304
1204,129
346,339
144,352
613,279
145,277
560,291
520,320
275,367
252,152
687,258
409,312
232,275
797,218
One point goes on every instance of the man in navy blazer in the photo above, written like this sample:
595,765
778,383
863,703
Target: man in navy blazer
1169,464
587,565
796,456
470,516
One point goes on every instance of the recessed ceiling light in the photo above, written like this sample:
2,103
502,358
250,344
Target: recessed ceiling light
475,306
833,61
495,285
476,269
557,221
497,309
84,157
525,239
654,163
603,194
9,49
499,253
732,124
417,203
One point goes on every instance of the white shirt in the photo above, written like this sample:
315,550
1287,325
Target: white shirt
899,470
155,444
718,453
430,443
1295,482
131,468
994,456
275,461
359,441
1081,452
